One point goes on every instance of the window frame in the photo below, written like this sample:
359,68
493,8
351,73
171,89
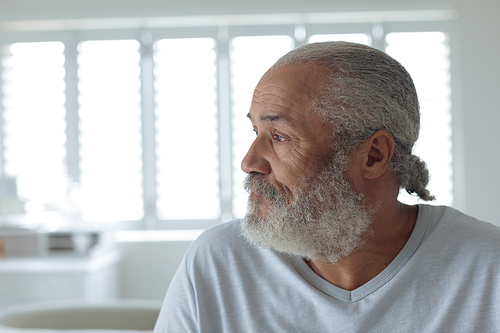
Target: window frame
222,33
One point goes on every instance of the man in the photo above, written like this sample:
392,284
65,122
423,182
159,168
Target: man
325,245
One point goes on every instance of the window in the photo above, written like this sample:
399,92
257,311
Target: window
353,38
425,56
145,139
186,129
33,122
110,130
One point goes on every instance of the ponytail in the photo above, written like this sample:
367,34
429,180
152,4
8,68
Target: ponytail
415,177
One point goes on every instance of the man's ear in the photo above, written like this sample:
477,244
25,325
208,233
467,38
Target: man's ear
377,154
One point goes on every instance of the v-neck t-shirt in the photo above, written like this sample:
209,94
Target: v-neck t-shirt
445,279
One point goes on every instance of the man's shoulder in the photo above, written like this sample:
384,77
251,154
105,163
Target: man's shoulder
224,233
464,229
220,239
469,223
222,250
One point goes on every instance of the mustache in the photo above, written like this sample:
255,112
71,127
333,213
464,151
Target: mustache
257,183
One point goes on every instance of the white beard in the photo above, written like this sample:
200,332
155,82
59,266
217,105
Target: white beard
326,220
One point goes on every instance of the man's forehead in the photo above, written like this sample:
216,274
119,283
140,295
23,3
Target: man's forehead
303,79
285,95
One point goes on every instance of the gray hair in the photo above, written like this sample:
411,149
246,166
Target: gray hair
366,91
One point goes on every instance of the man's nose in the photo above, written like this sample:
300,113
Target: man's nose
255,160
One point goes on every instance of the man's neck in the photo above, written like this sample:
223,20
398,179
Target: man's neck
390,234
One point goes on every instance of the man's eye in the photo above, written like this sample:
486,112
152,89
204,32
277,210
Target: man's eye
279,137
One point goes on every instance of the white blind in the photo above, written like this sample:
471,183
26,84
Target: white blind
33,122
354,38
250,58
425,56
110,130
186,129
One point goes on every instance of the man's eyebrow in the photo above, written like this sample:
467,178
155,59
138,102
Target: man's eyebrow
280,117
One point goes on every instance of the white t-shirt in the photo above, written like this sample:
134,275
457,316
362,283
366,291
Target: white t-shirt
445,279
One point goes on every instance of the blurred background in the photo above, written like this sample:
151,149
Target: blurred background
123,124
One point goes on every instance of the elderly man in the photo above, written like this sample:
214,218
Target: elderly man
325,245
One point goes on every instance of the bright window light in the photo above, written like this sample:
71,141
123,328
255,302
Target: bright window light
110,130
425,56
186,129
33,122
353,38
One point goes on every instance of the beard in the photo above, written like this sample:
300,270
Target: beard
326,219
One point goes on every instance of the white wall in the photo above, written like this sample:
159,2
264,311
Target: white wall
480,79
